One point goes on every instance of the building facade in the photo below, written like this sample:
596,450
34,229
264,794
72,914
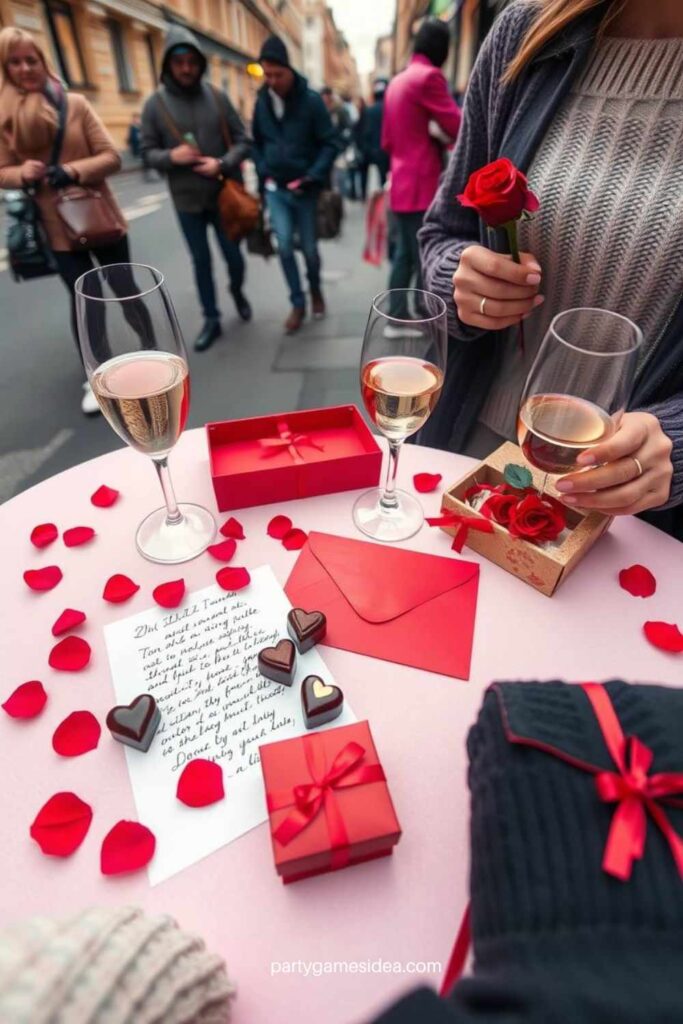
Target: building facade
110,50
384,57
327,57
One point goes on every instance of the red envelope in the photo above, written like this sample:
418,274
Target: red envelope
389,603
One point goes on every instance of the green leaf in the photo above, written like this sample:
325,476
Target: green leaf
517,476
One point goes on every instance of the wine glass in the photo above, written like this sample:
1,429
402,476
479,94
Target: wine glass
403,363
577,388
136,363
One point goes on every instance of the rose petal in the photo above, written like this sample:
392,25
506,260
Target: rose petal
78,535
223,551
233,528
61,824
119,588
27,701
104,496
68,620
279,526
77,734
43,579
664,635
638,580
129,846
232,579
70,655
201,783
169,595
426,482
44,534
294,539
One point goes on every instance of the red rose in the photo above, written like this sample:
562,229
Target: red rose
499,193
499,508
537,519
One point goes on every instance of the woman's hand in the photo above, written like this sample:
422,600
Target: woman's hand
617,487
32,170
510,289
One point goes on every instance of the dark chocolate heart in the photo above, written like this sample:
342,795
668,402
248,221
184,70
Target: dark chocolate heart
132,720
320,703
306,628
277,663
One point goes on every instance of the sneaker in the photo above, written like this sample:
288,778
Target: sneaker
317,305
242,305
393,333
208,334
89,404
295,319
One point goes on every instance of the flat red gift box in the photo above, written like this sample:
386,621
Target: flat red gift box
268,459
328,802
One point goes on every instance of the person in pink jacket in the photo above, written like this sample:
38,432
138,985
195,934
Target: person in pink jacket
418,112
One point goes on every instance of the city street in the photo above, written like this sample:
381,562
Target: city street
253,369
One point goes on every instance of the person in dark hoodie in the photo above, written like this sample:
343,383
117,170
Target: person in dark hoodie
183,136
294,149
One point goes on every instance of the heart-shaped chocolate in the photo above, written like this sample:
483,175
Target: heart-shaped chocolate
320,702
135,723
277,663
306,628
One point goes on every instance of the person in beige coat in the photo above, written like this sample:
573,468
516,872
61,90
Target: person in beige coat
30,98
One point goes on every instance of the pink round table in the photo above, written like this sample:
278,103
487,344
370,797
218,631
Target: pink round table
396,910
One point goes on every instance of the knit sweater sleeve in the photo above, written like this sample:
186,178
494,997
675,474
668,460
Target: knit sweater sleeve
450,228
670,416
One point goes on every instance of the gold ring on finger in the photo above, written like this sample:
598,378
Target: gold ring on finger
482,306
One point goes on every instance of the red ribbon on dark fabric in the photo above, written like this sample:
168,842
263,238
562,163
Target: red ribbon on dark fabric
287,439
463,526
634,791
309,797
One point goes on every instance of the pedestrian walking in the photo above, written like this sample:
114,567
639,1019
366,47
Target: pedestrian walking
416,96
372,132
134,141
294,149
358,171
184,128
52,141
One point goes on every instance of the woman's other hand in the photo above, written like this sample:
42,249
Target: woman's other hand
509,290
32,170
617,487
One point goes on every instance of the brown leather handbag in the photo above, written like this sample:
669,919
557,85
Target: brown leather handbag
89,217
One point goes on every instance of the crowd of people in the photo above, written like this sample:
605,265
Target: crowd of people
303,142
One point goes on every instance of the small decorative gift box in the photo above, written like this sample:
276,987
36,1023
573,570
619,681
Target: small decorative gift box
267,459
328,802
543,567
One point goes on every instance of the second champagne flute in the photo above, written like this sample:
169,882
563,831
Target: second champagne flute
403,363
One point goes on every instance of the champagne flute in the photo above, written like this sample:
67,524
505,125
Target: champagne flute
577,388
403,363
136,363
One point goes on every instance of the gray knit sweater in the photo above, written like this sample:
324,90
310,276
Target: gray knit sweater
610,229
490,108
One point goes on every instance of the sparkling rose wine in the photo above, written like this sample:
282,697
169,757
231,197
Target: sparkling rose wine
553,430
399,393
146,397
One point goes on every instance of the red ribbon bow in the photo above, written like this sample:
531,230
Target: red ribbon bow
633,790
309,797
287,439
464,524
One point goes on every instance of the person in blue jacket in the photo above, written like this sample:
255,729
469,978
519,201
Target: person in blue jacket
294,149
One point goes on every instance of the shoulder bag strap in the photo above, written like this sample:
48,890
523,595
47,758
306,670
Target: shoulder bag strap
59,136
166,114
225,130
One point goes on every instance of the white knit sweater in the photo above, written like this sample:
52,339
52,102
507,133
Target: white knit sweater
609,176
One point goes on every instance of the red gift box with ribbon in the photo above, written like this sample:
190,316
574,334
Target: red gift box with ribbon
267,459
328,802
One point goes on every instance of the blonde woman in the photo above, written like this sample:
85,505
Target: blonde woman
30,98
585,97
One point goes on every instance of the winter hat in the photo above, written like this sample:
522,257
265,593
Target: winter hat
109,966
275,51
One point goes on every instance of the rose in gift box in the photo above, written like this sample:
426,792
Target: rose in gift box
328,802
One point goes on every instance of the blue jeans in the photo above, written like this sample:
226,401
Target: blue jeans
290,213
195,227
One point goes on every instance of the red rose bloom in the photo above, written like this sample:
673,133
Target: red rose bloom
537,519
499,508
499,193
